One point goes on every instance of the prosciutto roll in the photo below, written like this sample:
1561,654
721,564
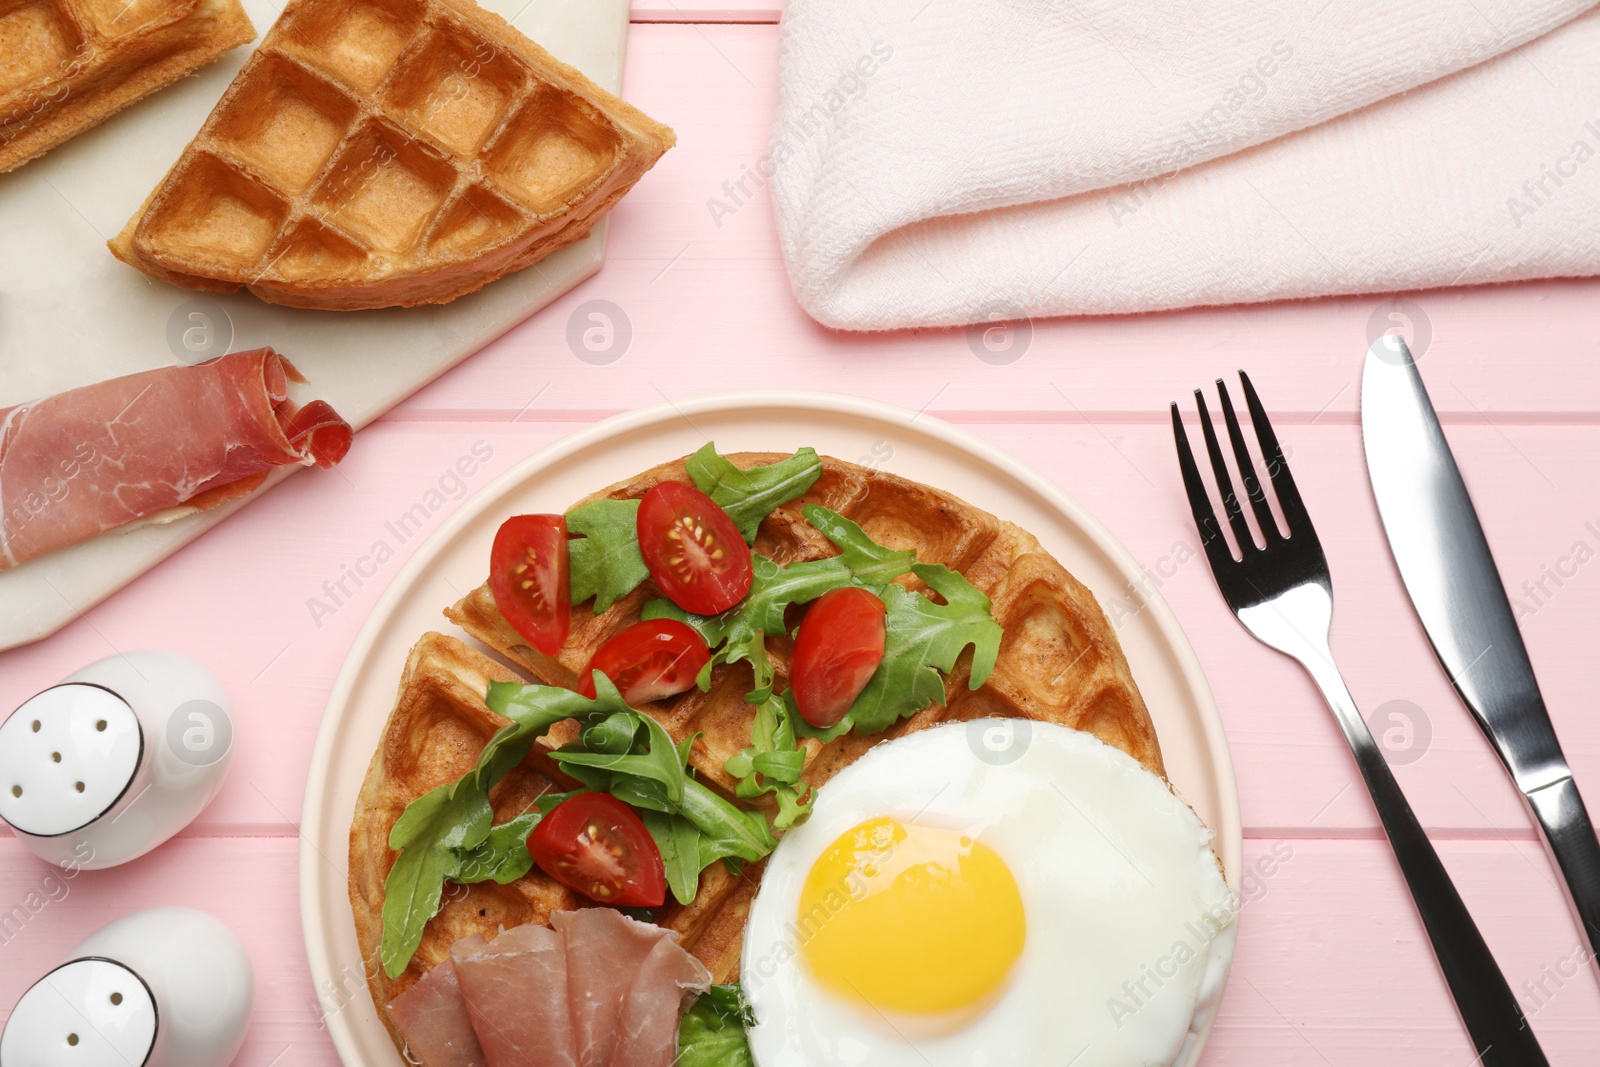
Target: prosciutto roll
90,460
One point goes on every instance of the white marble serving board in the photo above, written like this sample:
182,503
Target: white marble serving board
71,314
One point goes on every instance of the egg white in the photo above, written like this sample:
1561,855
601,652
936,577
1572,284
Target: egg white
1129,920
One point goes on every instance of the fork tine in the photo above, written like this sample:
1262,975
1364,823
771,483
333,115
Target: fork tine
1205,517
1294,509
1219,466
1247,469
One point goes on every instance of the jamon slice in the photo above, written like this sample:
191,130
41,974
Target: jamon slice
647,1034
92,459
516,992
625,977
432,1017
375,153
599,990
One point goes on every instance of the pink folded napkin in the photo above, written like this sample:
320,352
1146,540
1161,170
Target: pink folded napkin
939,162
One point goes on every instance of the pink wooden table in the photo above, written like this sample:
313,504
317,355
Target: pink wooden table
1333,967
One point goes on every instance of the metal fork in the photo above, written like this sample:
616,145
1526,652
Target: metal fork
1282,593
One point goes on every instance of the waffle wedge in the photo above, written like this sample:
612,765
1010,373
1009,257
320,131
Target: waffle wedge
389,152
68,65
1059,662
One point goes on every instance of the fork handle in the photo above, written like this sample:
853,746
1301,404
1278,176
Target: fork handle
1490,1011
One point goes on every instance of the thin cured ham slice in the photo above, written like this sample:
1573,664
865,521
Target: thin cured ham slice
89,460
516,992
606,955
433,1021
647,1031
598,990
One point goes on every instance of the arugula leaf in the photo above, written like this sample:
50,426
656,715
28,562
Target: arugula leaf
503,857
712,1033
446,824
678,841
922,639
728,831
605,562
772,763
659,762
748,496
871,564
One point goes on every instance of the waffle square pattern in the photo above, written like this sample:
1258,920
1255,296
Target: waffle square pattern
375,153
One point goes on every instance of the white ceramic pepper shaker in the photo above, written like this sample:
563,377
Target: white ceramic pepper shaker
114,760
167,987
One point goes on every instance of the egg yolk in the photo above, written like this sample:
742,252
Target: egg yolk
910,919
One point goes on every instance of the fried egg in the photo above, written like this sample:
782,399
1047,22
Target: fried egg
957,902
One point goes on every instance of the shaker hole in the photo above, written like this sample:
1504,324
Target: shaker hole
72,1039
116,998
37,725
100,726
55,757
78,786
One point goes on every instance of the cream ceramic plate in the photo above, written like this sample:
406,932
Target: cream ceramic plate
454,560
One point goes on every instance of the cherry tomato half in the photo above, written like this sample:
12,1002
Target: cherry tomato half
648,660
528,577
839,645
693,550
595,844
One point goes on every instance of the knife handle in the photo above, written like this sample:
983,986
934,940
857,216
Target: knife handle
1560,811
1490,1011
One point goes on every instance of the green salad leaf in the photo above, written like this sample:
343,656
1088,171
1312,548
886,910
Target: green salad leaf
772,763
871,565
678,841
604,560
750,495
712,1033
503,857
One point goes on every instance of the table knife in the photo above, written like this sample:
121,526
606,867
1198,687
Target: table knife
1445,562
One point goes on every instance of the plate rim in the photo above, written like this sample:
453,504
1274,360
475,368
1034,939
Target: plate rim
1228,837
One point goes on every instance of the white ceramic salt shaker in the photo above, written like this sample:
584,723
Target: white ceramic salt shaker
114,760
168,987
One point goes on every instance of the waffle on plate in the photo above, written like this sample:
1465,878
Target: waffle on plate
68,65
389,152
1059,661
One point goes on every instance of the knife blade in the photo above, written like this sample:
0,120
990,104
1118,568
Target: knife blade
1450,574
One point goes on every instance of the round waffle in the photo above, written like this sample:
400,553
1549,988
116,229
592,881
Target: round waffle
1059,662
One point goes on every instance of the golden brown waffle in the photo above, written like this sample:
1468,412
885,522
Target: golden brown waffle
1059,662
67,65
375,153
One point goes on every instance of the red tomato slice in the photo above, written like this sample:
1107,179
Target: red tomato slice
839,645
528,577
648,660
595,844
693,550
